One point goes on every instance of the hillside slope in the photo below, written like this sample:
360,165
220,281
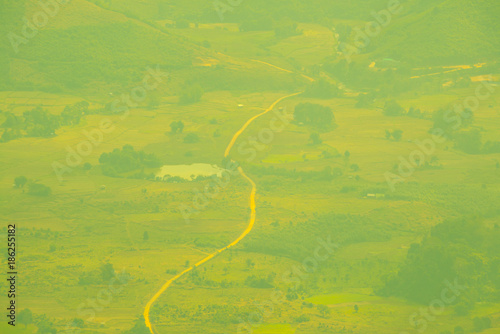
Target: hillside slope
83,44
86,47
451,32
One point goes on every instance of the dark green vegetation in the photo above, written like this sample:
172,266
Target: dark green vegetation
127,160
113,90
38,122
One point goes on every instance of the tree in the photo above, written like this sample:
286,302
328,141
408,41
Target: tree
392,108
182,24
388,134
481,324
250,264
38,189
174,127
45,327
314,114
469,141
25,317
191,94
191,138
139,327
323,310
107,271
77,322
397,135
287,29
322,89
180,126
20,181
315,138
364,100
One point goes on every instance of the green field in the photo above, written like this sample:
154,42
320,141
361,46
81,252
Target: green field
376,177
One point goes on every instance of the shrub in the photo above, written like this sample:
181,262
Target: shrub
38,189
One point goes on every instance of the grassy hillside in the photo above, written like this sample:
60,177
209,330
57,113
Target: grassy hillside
83,44
204,10
86,47
450,32
357,201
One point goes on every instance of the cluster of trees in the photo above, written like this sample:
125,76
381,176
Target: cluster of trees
296,239
191,94
314,114
466,250
102,275
392,108
259,283
481,323
457,125
211,313
396,135
448,121
176,127
470,141
126,160
391,82
287,29
38,189
34,188
315,138
322,89
38,122
139,327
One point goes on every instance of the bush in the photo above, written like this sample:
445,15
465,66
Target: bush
182,24
313,114
20,181
191,138
38,189
322,89
191,95
301,319
481,324
392,108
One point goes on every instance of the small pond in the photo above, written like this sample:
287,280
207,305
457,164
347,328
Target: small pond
189,172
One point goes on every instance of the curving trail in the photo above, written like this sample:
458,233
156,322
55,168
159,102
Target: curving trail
240,131
243,235
282,69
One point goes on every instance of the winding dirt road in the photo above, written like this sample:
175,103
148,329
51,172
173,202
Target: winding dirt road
235,242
